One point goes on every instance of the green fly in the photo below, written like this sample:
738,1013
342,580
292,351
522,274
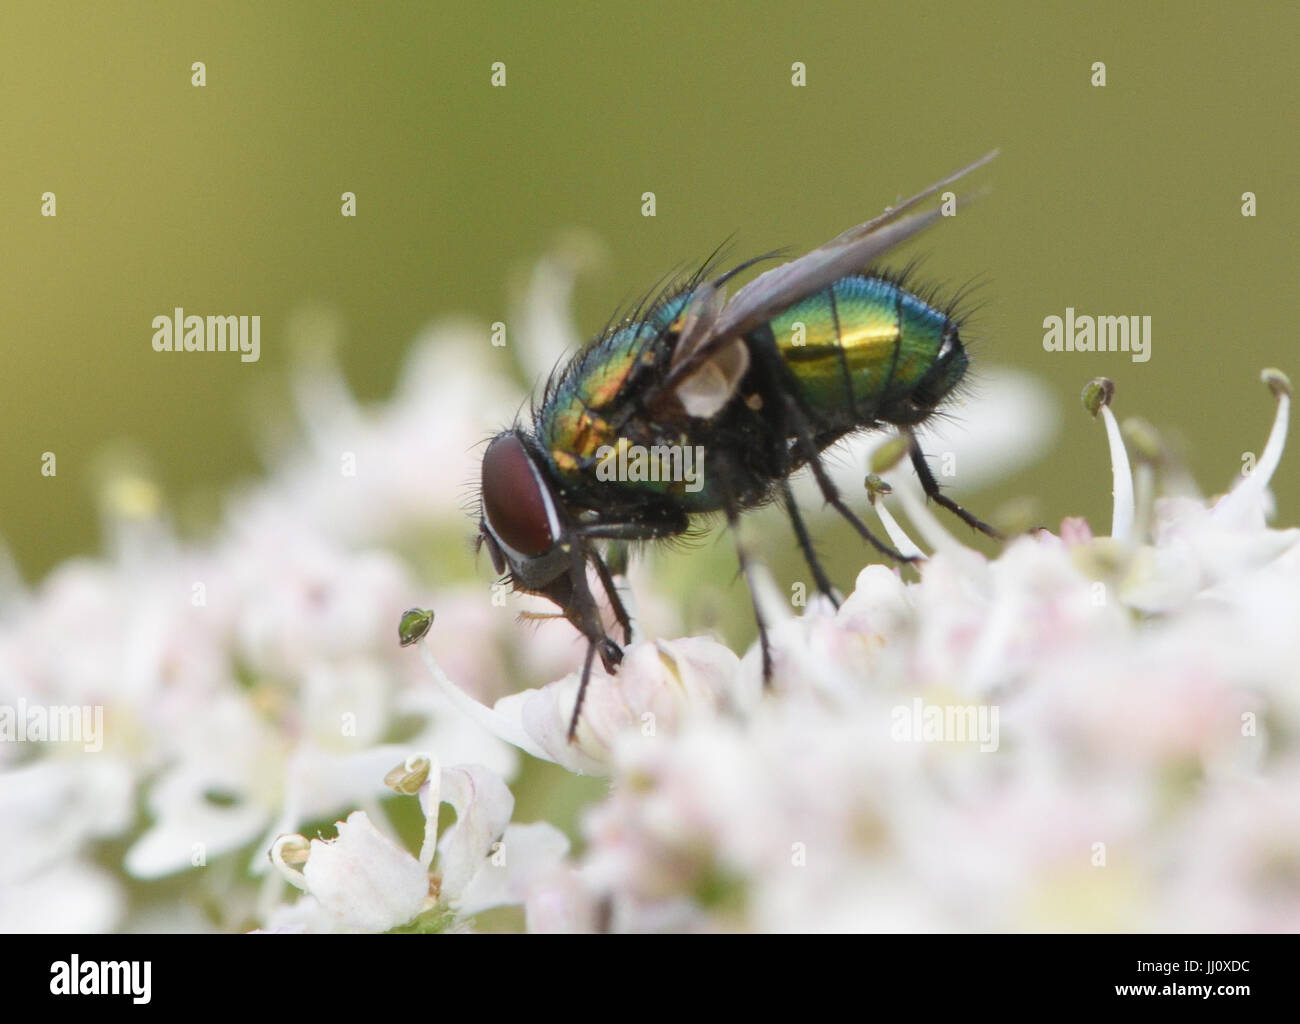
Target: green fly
695,404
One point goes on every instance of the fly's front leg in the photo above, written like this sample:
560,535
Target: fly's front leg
583,613
615,601
611,655
582,688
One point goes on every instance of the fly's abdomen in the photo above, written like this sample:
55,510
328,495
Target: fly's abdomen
867,350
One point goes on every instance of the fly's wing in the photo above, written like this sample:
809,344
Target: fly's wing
710,386
706,368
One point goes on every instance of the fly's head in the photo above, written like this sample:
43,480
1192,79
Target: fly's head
522,522
531,536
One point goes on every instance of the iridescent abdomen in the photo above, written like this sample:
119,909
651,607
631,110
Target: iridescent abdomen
861,348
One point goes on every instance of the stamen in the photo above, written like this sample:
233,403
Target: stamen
877,489
430,797
1250,492
1143,441
288,853
1280,385
1097,396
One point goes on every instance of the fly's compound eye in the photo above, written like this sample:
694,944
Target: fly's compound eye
518,510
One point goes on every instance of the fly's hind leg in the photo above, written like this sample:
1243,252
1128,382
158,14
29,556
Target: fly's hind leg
931,487
806,545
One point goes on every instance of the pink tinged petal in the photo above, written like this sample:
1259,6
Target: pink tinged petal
362,881
558,903
1075,530
544,716
656,685
483,806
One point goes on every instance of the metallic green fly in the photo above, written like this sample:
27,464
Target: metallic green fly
696,405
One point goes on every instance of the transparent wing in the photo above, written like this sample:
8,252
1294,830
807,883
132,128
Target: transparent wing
707,363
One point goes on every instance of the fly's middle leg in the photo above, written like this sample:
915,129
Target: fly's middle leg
806,545
832,493
746,569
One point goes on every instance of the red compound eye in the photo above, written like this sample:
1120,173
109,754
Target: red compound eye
516,503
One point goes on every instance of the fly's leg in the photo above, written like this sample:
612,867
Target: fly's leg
806,545
746,568
582,612
667,525
616,602
610,653
762,348
931,488
832,493
582,689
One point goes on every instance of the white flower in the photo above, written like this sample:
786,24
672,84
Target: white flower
1137,762
656,685
364,882
361,881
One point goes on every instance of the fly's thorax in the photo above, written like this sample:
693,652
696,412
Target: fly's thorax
867,349
637,466
589,412
573,424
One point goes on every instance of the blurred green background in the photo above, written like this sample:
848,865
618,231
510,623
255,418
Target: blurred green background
226,199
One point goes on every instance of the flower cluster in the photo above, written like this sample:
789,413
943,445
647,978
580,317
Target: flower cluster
1083,733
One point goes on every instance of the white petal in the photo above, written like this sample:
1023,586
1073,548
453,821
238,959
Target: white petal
67,898
362,881
483,806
